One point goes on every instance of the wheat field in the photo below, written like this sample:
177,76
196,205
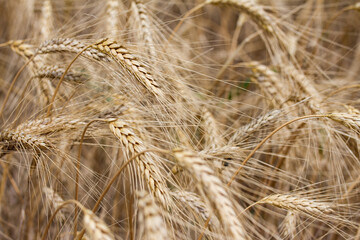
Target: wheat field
180,119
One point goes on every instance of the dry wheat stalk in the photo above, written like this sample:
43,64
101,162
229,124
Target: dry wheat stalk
214,190
129,62
297,203
255,11
193,201
150,218
148,168
54,201
95,227
141,16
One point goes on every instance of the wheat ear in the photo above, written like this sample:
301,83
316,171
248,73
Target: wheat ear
193,201
141,16
129,62
349,120
95,227
288,225
214,191
255,11
57,72
255,125
112,17
148,168
297,203
150,218
54,201
46,21
70,45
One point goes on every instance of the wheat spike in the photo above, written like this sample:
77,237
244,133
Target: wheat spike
214,191
46,23
57,72
95,227
70,45
255,125
141,16
288,225
54,201
134,144
11,138
150,218
297,203
349,120
270,83
21,48
112,17
212,133
193,201
252,9
129,62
